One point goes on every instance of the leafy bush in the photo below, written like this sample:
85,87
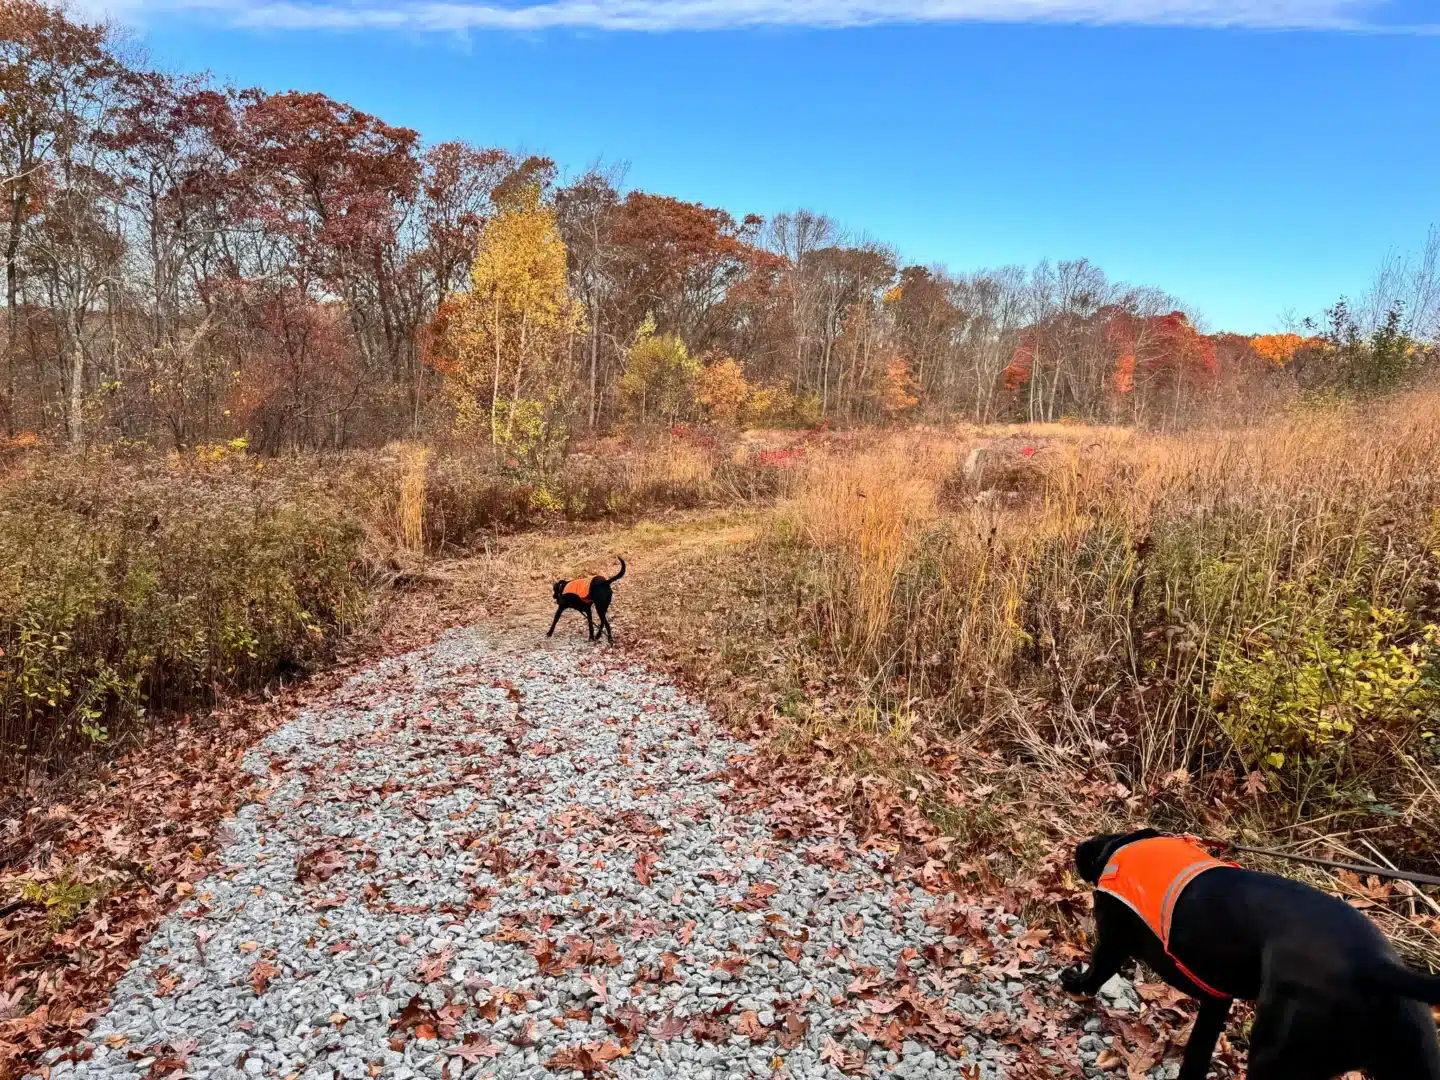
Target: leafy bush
131,587
1316,701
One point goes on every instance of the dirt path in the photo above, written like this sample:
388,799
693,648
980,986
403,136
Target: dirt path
483,859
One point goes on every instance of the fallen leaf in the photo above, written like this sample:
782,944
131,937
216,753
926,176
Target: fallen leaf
261,974
643,864
475,1048
850,1062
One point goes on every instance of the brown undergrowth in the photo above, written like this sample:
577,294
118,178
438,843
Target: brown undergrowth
1019,638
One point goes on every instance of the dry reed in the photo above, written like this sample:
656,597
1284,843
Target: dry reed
1081,607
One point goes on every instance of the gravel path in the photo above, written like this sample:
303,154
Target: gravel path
478,861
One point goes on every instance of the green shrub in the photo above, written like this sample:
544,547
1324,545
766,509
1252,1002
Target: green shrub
127,588
1324,701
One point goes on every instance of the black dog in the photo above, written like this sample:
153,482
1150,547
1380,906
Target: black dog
584,593
1331,995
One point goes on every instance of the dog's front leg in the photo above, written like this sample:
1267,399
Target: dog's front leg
558,612
1106,960
1203,1037
589,624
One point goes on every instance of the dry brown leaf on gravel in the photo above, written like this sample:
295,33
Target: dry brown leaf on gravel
850,1062
598,987
475,1049
260,975
643,864
590,1059
672,1027
434,966
318,865
749,1025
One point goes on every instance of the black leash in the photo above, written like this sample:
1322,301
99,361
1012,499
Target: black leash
1354,868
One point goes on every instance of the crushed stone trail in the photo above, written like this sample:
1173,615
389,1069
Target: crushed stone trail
493,859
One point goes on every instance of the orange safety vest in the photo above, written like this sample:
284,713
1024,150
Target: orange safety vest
1148,876
579,587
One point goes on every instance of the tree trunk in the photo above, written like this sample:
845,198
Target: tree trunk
594,364
74,414
519,368
495,388
19,198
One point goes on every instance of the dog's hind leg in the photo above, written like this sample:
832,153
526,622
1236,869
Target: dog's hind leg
589,625
1405,1047
1293,1039
558,612
1203,1037
605,623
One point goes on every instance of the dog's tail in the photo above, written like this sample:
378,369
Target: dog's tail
1397,979
621,574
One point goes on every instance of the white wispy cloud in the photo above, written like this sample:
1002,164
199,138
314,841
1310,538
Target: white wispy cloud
671,15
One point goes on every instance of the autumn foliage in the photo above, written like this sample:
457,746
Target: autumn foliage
191,263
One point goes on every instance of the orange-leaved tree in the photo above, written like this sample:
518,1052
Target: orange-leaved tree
894,385
1280,349
723,391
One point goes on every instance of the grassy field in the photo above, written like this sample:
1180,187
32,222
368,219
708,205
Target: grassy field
1033,633
1020,634
136,587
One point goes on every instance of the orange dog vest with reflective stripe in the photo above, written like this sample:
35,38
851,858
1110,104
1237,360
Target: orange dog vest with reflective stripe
1148,876
579,587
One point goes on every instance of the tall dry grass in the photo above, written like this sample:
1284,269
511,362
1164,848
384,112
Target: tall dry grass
1170,611
414,462
864,514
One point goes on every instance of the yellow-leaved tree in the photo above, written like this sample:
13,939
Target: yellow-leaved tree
501,344
659,380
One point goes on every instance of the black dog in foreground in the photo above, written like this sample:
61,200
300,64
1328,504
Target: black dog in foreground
1331,995
582,594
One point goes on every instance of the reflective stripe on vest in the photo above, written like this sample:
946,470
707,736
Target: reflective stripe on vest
1148,876
579,587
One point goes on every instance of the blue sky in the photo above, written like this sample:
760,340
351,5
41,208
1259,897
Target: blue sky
1250,156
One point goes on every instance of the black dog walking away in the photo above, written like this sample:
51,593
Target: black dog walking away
1331,995
582,594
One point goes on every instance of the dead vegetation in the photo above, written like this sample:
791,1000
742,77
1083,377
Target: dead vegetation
1033,634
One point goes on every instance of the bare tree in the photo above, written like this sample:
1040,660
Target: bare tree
1410,284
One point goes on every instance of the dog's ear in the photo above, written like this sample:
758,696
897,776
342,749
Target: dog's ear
560,588
1092,855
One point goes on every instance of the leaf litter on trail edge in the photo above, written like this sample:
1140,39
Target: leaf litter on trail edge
850,1062
161,806
590,1059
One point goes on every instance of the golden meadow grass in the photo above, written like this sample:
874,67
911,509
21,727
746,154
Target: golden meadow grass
1194,607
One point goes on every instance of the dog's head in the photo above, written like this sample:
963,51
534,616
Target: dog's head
1092,855
560,589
